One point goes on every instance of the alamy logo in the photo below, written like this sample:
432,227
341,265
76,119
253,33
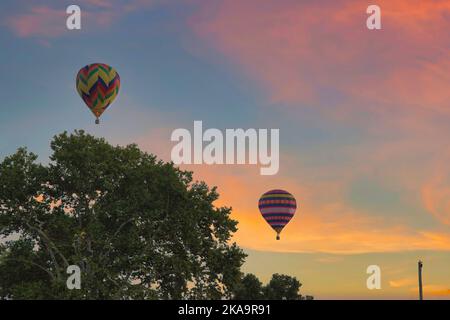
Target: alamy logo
374,20
374,280
237,146
73,21
74,280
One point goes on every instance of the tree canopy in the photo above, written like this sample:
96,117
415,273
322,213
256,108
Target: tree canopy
249,288
280,287
137,227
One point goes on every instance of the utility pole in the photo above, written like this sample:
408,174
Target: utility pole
420,265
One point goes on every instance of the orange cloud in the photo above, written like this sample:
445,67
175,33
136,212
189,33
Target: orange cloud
318,226
436,197
325,221
433,290
436,191
405,282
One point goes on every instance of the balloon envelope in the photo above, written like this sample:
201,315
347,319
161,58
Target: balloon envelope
277,208
98,85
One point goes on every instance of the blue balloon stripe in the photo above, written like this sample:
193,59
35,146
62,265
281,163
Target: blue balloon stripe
277,198
271,205
277,214
277,210
278,219
278,222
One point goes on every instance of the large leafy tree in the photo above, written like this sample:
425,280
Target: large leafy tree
138,228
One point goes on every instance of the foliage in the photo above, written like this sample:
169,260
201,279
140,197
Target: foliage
249,288
137,227
280,287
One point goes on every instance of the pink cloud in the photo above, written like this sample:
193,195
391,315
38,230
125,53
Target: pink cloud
40,21
45,22
393,84
100,3
299,51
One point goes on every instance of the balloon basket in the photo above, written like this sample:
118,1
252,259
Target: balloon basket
278,237
97,121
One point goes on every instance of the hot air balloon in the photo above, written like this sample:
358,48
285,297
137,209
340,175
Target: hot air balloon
98,85
277,208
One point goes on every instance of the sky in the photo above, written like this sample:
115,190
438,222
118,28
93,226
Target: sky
363,118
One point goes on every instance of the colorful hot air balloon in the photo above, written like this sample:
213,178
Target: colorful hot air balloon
98,85
277,208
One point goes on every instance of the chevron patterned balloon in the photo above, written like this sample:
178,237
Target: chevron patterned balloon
98,85
277,207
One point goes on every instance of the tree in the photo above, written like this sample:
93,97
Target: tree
249,288
138,228
282,287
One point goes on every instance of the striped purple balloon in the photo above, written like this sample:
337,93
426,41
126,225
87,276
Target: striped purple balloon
277,208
